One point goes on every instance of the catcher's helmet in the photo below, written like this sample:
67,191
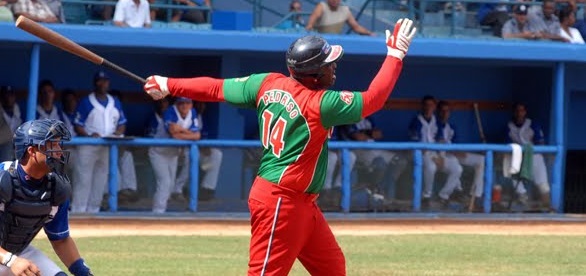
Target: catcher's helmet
310,53
38,133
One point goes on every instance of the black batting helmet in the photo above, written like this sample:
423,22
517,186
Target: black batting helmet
310,53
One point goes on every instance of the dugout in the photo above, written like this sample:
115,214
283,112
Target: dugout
493,73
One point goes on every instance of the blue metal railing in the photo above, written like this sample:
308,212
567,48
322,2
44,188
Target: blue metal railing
345,147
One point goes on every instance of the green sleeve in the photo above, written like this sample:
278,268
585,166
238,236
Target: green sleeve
242,92
340,108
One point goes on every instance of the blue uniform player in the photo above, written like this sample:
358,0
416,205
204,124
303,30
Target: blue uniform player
34,195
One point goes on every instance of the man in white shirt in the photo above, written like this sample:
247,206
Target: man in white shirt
132,13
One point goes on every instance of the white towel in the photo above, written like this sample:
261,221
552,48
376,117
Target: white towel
512,163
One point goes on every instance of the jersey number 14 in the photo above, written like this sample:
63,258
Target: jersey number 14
273,137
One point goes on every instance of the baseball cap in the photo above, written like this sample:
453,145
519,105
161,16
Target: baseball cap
100,75
521,9
183,100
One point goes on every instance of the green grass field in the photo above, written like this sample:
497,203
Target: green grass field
366,255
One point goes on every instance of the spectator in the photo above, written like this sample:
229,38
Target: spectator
210,160
132,13
46,108
11,112
581,26
522,130
57,9
67,115
424,128
520,27
295,21
330,17
567,20
36,10
547,22
69,104
103,11
191,15
447,134
5,12
97,115
331,193
6,151
380,161
493,15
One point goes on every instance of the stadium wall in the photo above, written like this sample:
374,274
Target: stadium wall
469,70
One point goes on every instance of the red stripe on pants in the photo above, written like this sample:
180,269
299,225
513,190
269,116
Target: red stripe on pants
287,225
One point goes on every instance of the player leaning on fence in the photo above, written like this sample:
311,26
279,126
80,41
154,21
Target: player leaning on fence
296,114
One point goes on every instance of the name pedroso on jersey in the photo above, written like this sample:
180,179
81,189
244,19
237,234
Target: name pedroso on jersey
283,98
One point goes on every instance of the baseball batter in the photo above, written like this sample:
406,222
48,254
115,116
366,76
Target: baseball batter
98,115
424,128
522,130
447,134
296,114
34,195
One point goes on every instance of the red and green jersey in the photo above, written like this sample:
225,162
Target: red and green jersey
295,124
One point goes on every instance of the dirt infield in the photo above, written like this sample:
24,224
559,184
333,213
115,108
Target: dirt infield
142,227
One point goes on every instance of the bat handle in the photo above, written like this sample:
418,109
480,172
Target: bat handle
123,71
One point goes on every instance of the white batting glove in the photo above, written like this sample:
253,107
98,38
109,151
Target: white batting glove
398,42
156,87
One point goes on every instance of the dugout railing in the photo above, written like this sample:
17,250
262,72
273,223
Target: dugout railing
345,147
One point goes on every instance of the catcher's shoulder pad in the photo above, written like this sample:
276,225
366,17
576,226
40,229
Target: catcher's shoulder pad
62,188
6,188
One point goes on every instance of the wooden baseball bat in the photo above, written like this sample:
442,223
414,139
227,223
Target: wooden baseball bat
483,138
65,44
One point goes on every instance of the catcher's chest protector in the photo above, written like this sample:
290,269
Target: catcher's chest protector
23,213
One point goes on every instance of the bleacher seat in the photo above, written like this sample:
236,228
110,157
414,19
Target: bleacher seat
99,22
75,13
156,24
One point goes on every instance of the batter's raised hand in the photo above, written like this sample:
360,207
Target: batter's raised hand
398,42
23,267
156,87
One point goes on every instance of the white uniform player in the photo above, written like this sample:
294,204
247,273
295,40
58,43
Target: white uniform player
210,160
98,115
163,159
522,130
447,134
423,128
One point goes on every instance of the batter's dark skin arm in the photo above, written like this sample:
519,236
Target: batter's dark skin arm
67,250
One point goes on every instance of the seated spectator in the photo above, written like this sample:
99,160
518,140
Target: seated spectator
191,15
11,112
36,10
380,161
493,15
522,130
447,134
520,27
567,20
102,12
581,26
132,13
46,108
57,9
330,18
5,12
424,128
331,193
547,22
295,21
210,160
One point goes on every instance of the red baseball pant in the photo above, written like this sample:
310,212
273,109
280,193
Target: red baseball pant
287,225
